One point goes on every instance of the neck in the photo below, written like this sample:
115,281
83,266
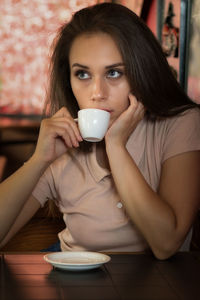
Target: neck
101,155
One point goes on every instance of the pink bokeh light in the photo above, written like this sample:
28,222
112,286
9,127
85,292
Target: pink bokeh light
27,29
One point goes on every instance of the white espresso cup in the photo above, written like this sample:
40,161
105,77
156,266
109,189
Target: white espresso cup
93,124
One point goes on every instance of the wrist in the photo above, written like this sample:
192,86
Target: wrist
36,162
116,140
114,145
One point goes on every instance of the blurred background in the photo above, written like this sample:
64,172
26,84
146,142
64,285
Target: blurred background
27,29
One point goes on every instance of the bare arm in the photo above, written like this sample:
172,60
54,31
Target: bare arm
15,191
29,209
57,134
164,218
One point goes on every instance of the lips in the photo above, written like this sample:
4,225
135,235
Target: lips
108,110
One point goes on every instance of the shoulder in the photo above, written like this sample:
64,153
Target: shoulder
184,122
173,135
190,116
182,133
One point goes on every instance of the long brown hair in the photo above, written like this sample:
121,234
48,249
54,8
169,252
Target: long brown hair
149,75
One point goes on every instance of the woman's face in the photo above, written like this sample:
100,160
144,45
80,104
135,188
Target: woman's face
98,77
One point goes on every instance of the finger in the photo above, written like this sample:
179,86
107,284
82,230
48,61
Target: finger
56,128
69,122
140,107
135,103
76,130
59,132
69,131
63,112
136,107
72,136
140,110
133,100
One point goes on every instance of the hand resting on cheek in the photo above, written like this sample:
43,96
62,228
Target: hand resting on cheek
126,123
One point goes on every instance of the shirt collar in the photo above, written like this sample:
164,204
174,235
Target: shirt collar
97,172
135,146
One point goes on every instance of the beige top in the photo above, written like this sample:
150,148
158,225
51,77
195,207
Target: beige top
95,219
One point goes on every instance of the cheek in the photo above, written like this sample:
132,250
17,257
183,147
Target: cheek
126,103
76,92
120,106
123,102
121,96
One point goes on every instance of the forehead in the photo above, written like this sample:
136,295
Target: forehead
93,46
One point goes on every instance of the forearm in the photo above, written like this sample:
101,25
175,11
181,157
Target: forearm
57,134
146,209
15,191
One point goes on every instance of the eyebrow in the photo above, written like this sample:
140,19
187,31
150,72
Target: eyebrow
80,66
107,67
115,65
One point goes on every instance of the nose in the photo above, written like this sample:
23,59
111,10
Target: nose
98,89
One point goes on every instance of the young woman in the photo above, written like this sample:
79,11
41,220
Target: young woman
139,188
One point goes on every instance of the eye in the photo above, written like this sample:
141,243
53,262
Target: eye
82,74
113,73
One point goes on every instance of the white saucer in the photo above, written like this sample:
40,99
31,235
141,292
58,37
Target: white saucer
76,261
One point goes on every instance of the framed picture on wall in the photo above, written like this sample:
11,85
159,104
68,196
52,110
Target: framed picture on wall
193,79
178,27
168,31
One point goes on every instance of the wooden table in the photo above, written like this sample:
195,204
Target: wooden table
125,277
